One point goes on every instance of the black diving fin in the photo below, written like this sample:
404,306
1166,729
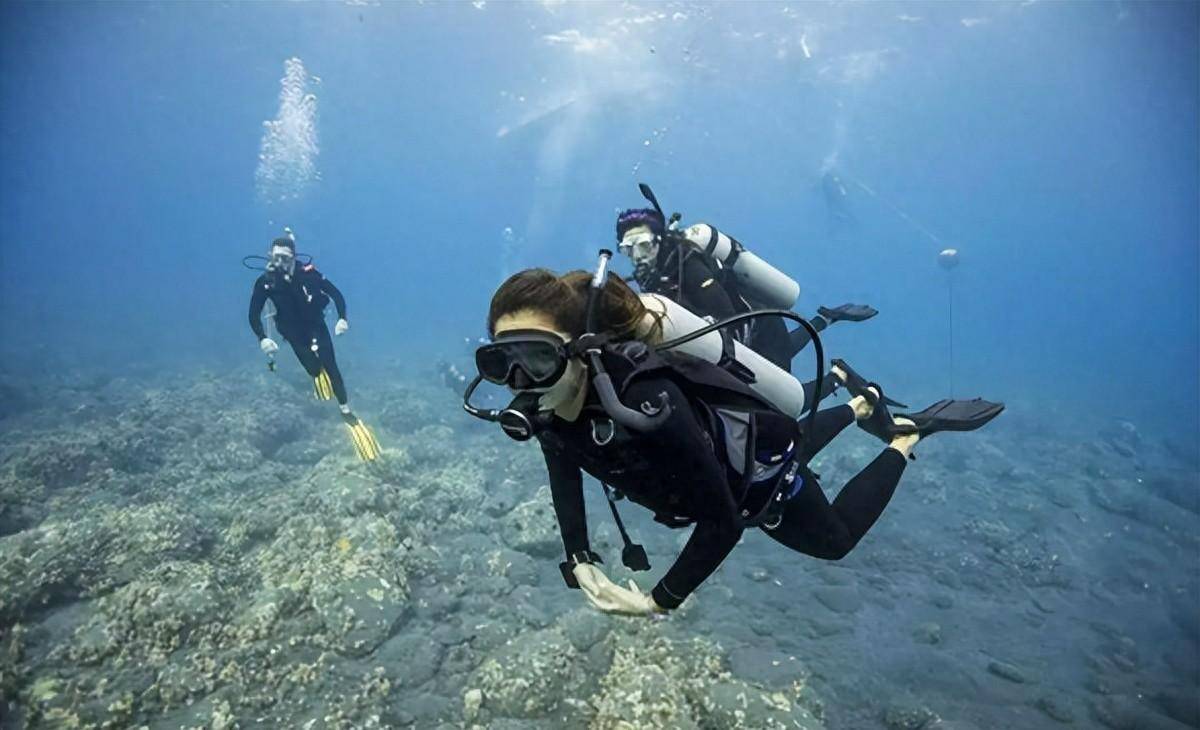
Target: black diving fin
950,415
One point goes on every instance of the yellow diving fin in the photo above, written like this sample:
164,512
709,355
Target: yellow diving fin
365,445
322,386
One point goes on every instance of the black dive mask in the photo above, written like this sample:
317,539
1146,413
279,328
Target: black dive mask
521,420
523,359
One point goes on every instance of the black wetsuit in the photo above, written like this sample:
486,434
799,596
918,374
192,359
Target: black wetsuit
682,472
300,302
700,286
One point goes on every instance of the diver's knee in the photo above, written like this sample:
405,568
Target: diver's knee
837,547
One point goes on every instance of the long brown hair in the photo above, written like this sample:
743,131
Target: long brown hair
564,300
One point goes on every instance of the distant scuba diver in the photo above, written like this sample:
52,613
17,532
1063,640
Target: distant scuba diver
609,384
299,296
714,276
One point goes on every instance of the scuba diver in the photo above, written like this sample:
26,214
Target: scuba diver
629,389
714,276
299,295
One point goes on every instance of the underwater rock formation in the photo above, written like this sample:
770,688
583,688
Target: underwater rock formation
170,556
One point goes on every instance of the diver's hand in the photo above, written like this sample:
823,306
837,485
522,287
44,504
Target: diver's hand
341,327
268,346
612,598
848,313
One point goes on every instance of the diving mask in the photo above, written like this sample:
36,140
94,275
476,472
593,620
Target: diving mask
282,259
641,245
524,360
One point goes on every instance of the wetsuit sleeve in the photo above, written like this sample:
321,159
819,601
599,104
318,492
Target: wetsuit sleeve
702,290
258,299
339,301
681,440
566,488
706,549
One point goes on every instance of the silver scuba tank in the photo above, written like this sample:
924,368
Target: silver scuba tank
758,281
773,384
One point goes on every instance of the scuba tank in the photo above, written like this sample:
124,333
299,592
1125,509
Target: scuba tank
761,375
760,282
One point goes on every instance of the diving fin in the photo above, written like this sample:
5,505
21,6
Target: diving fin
951,415
857,384
365,445
323,386
945,415
848,313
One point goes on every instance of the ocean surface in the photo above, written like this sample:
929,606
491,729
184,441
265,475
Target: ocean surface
188,540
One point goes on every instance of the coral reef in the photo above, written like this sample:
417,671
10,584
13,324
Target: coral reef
210,553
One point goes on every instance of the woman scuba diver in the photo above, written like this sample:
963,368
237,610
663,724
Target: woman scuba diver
692,440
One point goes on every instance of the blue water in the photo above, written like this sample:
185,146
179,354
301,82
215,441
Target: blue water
1054,145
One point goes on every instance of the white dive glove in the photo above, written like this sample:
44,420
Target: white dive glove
341,327
268,346
612,598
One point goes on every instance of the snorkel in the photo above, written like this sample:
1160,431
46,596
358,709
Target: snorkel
775,501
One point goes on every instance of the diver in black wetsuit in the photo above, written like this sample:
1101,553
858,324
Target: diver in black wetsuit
300,294
683,437
665,265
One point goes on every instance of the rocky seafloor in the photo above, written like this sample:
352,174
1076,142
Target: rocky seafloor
208,553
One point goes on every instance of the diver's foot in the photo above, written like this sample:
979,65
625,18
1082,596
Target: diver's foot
904,442
864,405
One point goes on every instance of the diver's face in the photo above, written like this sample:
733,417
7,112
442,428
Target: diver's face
566,386
282,259
528,319
641,246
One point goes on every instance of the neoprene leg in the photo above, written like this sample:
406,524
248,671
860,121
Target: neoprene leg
799,338
830,422
308,359
829,384
770,339
329,362
813,526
